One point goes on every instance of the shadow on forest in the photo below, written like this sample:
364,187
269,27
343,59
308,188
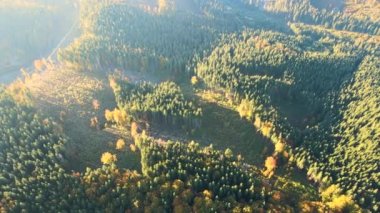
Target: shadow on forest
223,128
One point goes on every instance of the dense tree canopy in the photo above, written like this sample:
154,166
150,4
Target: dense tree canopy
176,176
31,152
304,73
267,71
164,103
125,36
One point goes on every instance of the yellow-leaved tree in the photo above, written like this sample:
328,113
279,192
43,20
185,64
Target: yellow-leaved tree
134,129
194,80
279,147
163,5
108,158
120,144
120,117
246,109
335,199
270,165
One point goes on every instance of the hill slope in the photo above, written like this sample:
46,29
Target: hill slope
280,95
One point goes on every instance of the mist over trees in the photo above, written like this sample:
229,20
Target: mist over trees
30,29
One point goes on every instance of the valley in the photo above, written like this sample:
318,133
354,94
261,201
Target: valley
196,106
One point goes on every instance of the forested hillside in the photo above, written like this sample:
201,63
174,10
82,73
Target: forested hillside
326,13
174,175
31,152
199,106
269,72
151,41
